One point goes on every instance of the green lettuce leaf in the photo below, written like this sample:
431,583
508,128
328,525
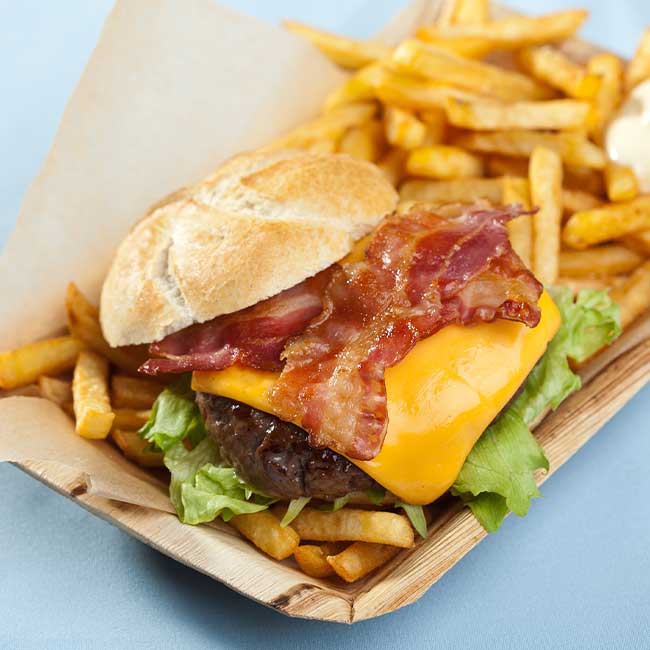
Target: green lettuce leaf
174,417
415,515
294,509
498,474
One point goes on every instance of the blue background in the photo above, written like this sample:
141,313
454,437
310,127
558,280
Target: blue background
575,573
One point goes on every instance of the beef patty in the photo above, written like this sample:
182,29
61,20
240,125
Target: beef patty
275,456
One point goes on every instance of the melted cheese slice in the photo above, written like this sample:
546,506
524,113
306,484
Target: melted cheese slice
441,397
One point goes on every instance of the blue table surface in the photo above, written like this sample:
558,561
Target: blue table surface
574,574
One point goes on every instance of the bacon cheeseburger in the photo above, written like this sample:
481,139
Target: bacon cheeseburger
336,346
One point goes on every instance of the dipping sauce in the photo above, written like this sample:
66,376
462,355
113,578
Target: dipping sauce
628,136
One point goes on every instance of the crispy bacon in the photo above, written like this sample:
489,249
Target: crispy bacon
251,337
420,273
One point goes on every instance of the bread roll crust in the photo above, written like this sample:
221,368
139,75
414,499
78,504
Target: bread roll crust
260,224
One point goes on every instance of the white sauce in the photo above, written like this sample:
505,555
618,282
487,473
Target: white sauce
628,136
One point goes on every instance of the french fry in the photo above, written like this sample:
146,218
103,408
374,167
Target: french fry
365,142
355,89
633,296
609,68
610,259
130,419
470,12
639,242
585,179
611,221
83,323
404,91
137,449
546,194
133,393
264,530
360,558
576,201
578,284
346,52
517,190
436,125
23,366
92,407
392,164
553,67
511,33
403,129
349,524
621,182
322,146
329,126
466,190
574,148
486,115
312,560
498,165
56,390
443,162
444,67
638,68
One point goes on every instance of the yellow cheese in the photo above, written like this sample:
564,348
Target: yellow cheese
441,397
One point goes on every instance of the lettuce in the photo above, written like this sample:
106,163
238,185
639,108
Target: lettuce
498,474
415,515
174,417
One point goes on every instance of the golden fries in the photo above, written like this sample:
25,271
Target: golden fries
403,129
633,296
404,91
130,419
608,222
574,148
329,126
610,259
346,52
584,179
133,393
357,88
587,282
546,194
498,165
638,68
312,560
513,32
443,162
136,449
486,115
621,182
23,366
92,407
517,191
418,58
354,525
264,530
360,558
392,164
555,68
56,390
577,201
365,142
639,242
466,190
469,12
83,323
610,70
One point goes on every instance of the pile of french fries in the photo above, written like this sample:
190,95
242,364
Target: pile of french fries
475,108
472,108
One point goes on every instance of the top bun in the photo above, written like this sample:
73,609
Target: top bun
262,223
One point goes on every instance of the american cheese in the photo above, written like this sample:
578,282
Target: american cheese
441,397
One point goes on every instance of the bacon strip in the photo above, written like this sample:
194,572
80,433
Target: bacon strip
251,337
421,273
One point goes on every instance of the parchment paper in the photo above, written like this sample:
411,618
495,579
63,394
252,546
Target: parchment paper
172,88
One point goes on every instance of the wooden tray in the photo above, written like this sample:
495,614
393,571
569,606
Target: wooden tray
610,381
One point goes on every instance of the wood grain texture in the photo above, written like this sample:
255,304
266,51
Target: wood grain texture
612,379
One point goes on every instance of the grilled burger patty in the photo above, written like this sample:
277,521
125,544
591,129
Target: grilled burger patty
275,456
